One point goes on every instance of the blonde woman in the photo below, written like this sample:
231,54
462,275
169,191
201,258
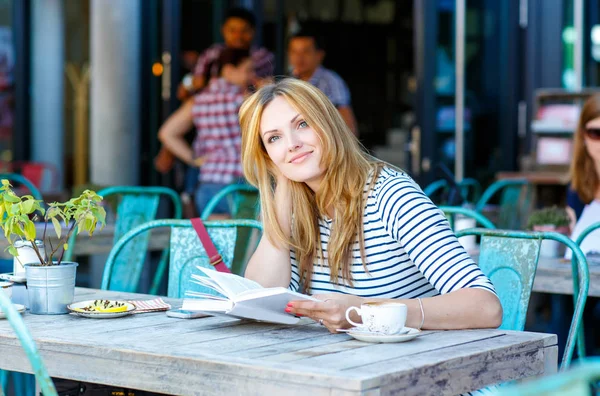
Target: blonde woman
348,228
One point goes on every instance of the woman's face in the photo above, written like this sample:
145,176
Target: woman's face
292,144
591,138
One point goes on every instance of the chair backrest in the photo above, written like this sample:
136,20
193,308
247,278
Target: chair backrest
242,197
244,202
137,205
16,178
16,322
435,188
514,202
470,189
509,259
587,231
186,249
581,380
459,210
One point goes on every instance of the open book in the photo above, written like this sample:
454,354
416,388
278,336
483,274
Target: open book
243,298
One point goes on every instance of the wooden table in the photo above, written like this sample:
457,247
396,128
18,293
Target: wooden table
224,356
100,243
538,177
554,275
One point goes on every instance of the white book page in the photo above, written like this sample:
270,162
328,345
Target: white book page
208,282
272,291
229,285
204,295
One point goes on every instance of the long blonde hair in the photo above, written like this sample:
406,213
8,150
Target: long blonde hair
584,179
346,174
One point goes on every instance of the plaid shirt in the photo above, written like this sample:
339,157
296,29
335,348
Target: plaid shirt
332,86
218,138
263,60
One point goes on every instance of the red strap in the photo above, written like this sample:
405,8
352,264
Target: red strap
213,255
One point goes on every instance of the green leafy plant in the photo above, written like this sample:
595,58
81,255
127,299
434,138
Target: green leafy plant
554,215
83,212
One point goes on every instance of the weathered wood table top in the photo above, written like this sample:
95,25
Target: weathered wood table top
554,275
100,243
224,356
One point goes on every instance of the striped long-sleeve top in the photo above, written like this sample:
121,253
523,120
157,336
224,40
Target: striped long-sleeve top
410,248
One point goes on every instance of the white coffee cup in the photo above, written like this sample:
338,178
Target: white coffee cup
380,317
6,288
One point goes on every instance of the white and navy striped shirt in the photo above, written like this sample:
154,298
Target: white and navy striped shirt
410,248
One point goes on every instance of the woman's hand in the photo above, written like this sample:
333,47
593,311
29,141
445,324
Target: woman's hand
331,309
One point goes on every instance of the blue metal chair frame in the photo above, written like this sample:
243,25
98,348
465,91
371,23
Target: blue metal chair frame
508,188
16,322
226,191
108,269
581,281
15,177
137,197
246,205
587,232
441,186
479,218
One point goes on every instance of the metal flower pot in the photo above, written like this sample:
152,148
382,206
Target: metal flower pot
50,288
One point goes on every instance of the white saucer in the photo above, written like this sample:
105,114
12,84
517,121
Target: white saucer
376,337
363,330
20,308
75,309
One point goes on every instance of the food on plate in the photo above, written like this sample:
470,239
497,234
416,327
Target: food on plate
103,306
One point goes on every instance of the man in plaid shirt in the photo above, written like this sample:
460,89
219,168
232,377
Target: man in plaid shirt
238,32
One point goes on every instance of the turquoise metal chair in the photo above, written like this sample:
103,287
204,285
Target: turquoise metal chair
16,322
244,204
514,202
187,251
16,178
587,232
436,188
510,258
137,205
242,197
470,190
580,380
459,210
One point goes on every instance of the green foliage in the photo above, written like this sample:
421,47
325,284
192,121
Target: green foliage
549,216
83,212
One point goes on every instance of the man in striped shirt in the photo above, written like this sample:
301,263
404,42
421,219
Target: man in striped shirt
306,53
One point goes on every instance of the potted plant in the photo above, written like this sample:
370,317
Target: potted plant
50,280
553,219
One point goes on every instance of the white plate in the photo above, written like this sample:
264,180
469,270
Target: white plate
14,278
98,315
20,308
375,337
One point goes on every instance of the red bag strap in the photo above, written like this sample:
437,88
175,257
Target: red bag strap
213,255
